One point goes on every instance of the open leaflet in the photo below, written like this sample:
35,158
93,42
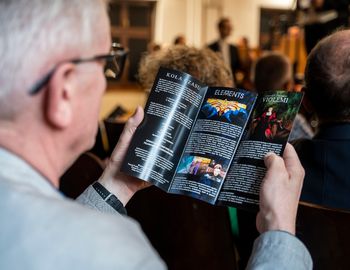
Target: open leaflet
209,142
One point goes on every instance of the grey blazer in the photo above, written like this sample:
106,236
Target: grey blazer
41,229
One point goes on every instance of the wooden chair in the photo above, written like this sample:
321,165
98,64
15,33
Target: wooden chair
326,233
187,233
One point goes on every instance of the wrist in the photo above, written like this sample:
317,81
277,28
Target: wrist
109,198
118,188
276,223
282,227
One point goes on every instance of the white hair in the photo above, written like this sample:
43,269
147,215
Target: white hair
36,34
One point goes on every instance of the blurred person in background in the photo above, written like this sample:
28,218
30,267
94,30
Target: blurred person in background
321,17
229,52
180,40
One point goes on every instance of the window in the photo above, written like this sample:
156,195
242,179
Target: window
132,27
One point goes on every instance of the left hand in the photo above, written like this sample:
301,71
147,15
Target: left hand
122,185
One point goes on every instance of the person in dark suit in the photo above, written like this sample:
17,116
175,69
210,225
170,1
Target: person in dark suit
229,52
326,157
322,17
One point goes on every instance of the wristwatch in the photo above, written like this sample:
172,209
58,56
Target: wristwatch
109,198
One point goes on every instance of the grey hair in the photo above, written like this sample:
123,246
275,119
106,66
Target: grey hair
327,77
36,34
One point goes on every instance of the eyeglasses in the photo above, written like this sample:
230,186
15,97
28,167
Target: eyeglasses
112,69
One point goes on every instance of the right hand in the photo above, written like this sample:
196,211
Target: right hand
280,192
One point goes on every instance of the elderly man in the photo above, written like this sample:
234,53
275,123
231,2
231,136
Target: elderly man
52,59
326,156
52,81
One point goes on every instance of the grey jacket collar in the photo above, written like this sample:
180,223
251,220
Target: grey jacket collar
19,172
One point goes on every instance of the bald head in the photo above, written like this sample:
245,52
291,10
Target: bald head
327,77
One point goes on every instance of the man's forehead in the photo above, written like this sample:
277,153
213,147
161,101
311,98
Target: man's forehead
103,36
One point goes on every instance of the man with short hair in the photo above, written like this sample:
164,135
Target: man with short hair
272,71
53,55
52,81
326,156
228,51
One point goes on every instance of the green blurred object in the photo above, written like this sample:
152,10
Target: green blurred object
234,221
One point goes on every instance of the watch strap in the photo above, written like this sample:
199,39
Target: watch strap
109,198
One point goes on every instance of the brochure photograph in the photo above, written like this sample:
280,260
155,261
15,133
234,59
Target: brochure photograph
209,142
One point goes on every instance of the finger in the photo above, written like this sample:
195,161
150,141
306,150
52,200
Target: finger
126,136
259,222
272,160
275,167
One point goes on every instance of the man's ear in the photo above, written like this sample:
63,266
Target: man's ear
306,102
59,94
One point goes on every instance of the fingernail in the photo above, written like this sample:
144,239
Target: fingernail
268,154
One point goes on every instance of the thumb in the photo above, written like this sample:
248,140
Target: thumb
270,159
126,136
275,166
